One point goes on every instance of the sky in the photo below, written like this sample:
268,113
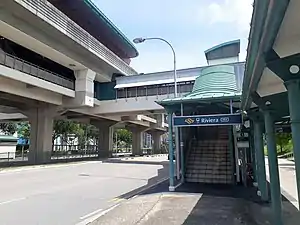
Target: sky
191,26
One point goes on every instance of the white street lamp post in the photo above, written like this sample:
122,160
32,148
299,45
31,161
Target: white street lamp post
141,40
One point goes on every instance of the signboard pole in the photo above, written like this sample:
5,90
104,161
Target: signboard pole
182,148
236,152
231,107
177,160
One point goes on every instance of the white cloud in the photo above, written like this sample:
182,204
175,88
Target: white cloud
237,12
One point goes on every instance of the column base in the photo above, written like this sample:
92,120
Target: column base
39,157
104,154
171,188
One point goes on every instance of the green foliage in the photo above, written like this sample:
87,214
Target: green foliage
123,135
65,127
282,141
8,128
87,132
83,132
23,129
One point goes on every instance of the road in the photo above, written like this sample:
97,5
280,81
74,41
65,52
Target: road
73,193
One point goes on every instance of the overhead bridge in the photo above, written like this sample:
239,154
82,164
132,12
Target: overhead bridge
122,95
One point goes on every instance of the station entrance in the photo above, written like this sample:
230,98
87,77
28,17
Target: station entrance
204,130
209,148
210,157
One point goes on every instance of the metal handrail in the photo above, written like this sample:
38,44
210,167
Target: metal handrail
29,68
56,18
152,87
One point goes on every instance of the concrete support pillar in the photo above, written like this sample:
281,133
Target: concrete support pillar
84,87
293,88
273,169
260,159
105,141
137,141
160,120
171,153
156,136
41,129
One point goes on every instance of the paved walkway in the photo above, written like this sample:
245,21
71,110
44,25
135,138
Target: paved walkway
198,204
287,175
192,204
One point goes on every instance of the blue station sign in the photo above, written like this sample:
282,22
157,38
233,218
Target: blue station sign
207,120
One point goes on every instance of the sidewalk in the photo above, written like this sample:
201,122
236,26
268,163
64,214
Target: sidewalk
287,175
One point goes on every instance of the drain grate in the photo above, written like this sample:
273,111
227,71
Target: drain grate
84,175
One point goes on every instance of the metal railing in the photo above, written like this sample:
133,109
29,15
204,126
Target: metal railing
74,151
289,155
34,70
60,21
154,90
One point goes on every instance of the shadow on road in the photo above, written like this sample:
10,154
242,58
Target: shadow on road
140,162
154,183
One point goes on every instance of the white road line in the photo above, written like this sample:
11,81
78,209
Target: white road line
12,200
41,167
96,216
90,214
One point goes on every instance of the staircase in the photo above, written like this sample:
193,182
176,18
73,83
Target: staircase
209,159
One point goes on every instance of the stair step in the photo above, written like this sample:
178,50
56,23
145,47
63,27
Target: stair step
208,160
213,181
208,164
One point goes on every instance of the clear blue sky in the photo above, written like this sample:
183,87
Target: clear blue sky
191,27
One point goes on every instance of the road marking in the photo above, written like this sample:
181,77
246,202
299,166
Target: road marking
96,216
41,167
90,214
117,200
12,200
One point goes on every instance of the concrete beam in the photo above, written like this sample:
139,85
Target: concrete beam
129,106
12,116
19,88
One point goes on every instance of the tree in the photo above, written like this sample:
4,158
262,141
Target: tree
23,129
123,135
8,128
63,128
282,139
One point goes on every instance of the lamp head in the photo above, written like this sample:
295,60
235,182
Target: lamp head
139,40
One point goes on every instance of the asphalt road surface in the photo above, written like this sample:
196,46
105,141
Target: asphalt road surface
73,193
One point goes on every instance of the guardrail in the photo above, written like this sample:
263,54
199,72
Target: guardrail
289,155
68,153
154,90
34,70
60,21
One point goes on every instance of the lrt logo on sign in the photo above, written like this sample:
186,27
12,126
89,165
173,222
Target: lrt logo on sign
189,121
224,119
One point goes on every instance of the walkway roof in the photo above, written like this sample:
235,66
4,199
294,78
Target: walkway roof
167,77
86,14
264,39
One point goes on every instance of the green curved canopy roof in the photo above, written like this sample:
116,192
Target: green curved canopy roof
214,83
